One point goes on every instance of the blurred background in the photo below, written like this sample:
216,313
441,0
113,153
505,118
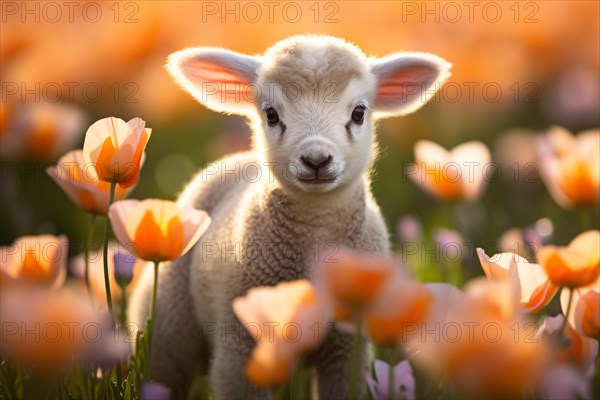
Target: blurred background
519,67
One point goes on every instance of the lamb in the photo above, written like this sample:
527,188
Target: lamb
312,102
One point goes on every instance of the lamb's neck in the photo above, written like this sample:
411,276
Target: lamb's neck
334,209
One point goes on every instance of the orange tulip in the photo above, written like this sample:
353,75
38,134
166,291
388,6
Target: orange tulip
40,132
116,148
48,331
584,316
353,282
35,260
576,265
458,174
571,166
81,183
405,304
424,343
157,230
486,350
286,321
270,364
530,279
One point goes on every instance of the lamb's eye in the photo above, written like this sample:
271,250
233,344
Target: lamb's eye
358,115
272,116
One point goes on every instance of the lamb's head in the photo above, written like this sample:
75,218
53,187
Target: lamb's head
313,101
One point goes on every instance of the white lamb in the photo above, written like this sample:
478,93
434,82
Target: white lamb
312,102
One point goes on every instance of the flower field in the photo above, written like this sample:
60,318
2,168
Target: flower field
490,195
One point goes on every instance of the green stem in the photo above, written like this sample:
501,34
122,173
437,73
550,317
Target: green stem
119,379
586,219
105,253
564,324
356,361
391,374
86,249
90,378
10,380
278,392
153,303
150,327
300,387
123,322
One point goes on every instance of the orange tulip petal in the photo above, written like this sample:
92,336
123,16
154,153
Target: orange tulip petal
577,183
33,267
562,273
387,330
540,297
590,323
266,368
103,164
87,201
359,286
446,187
41,141
133,172
174,238
149,240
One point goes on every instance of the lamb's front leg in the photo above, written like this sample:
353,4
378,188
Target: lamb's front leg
232,347
177,340
332,362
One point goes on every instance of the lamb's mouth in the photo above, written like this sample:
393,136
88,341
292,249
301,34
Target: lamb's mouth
316,180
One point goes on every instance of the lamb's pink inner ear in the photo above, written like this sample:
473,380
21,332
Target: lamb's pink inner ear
202,71
220,79
223,83
401,86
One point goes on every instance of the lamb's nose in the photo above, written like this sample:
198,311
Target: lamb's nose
317,162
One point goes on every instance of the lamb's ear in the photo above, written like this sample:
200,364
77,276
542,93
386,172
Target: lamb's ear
406,81
218,78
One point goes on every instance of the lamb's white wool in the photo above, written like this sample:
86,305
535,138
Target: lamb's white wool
312,101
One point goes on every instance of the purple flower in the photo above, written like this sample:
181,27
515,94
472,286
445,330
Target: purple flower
404,381
409,229
155,391
449,243
564,381
124,263
112,347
